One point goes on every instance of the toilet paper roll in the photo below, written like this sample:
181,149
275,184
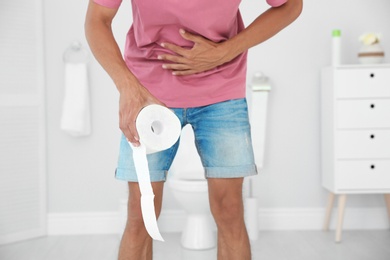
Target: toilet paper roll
158,129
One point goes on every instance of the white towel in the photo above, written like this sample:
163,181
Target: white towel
76,114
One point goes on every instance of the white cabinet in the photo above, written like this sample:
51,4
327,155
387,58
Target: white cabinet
355,132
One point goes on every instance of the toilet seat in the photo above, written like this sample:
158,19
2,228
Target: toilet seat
191,185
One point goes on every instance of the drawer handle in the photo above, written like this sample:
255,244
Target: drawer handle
372,75
372,166
372,106
372,136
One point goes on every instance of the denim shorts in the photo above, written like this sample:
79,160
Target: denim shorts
222,139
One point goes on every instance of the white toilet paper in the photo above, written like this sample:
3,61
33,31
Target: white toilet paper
158,129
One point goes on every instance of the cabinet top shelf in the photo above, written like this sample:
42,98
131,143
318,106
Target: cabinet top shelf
359,66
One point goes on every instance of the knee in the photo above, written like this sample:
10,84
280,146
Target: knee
135,223
134,212
227,211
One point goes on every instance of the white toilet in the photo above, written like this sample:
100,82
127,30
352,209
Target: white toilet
189,187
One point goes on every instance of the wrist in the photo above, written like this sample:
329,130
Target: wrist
230,50
126,83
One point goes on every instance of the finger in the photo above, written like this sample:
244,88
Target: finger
184,72
172,66
134,134
173,58
176,49
129,131
190,37
131,136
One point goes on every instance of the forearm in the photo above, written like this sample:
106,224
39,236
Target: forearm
262,28
106,51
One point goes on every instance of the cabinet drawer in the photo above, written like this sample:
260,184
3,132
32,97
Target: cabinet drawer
363,113
363,174
363,144
362,82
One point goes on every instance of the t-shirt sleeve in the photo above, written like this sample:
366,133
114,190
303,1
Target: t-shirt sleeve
109,3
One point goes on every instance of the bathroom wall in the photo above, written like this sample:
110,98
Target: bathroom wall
293,59
81,170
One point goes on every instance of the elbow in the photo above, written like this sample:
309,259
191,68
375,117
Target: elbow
93,25
296,7
292,7
97,18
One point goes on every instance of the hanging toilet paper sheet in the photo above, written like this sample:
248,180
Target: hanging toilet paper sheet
158,129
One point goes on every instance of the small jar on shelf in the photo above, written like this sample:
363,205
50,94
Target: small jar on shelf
371,52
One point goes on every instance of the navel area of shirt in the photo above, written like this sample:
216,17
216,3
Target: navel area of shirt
216,85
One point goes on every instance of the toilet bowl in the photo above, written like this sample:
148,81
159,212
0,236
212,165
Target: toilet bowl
192,195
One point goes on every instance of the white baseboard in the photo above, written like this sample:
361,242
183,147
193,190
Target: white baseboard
84,223
313,219
173,220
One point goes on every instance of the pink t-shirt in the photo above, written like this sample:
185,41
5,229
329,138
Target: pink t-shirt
155,22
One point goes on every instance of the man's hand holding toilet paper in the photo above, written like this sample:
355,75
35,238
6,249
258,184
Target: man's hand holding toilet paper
131,100
151,127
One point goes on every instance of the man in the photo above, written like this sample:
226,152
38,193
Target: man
191,57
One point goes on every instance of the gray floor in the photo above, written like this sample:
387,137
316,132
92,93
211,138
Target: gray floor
271,245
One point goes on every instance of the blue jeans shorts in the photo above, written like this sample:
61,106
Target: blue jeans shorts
222,138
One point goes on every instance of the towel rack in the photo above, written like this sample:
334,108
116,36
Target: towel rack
75,53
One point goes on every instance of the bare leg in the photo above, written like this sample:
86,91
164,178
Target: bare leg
136,243
228,211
